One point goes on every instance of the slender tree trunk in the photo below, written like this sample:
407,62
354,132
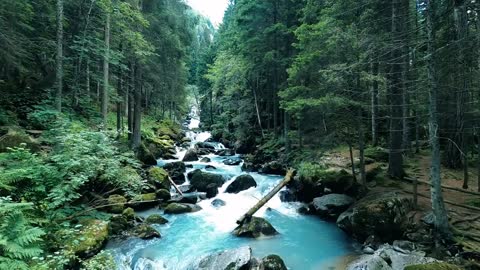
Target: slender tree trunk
374,104
350,149
286,130
441,225
465,166
106,70
87,83
257,109
137,115
395,162
478,160
406,141
119,100
59,60
131,101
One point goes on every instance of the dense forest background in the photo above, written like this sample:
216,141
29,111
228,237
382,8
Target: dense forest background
99,82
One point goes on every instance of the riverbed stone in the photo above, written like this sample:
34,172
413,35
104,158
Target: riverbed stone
145,231
225,152
383,215
433,266
332,205
232,161
159,178
235,259
129,213
156,219
117,203
181,208
190,155
217,203
163,194
272,262
205,181
241,183
212,190
118,224
176,171
205,160
254,228
145,156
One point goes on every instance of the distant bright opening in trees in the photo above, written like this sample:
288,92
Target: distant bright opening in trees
213,9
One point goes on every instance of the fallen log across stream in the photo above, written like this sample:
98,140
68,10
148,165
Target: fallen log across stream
288,177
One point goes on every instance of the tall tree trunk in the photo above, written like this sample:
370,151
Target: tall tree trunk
137,115
106,64
59,60
405,14
395,162
286,130
441,225
131,101
374,104
352,161
119,100
87,83
454,157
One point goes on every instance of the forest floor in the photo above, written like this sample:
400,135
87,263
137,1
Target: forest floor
418,166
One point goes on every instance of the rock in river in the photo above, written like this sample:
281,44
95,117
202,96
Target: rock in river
180,208
254,228
217,203
332,205
176,171
205,181
242,182
232,161
272,262
234,259
191,155
145,232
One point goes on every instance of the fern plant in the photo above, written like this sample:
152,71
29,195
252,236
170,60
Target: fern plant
19,241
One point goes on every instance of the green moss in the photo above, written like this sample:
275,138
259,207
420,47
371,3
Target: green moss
129,213
144,201
101,261
177,208
146,232
433,266
377,153
145,156
159,177
156,219
90,238
256,227
117,202
163,194
273,262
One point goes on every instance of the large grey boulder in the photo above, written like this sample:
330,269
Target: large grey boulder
205,181
190,155
388,257
383,215
176,171
332,205
234,259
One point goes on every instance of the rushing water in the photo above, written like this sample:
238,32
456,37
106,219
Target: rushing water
304,242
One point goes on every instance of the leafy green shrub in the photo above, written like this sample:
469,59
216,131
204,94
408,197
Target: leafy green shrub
44,117
19,241
310,170
7,118
101,261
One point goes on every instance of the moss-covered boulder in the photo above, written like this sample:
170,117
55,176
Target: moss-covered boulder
273,262
273,167
433,266
116,203
169,129
176,171
383,215
159,178
145,156
163,194
129,213
161,147
88,240
309,185
205,181
242,182
101,261
16,137
156,219
377,153
144,201
254,228
181,208
145,231
119,223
